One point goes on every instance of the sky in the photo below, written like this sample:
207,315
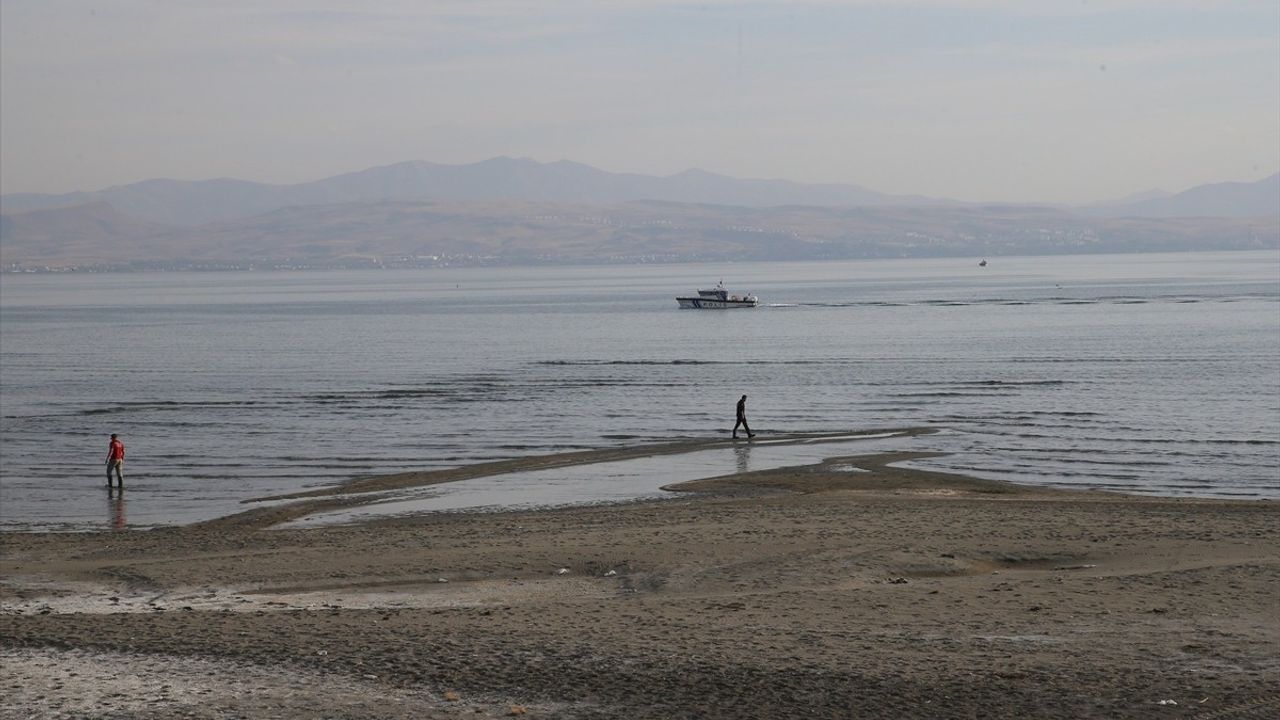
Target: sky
982,100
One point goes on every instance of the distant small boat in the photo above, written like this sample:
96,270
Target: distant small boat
982,264
717,299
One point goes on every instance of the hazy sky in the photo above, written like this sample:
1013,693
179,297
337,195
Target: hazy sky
1018,100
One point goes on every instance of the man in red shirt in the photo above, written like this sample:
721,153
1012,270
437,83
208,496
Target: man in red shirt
115,460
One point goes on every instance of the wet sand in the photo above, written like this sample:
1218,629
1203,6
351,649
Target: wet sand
847,589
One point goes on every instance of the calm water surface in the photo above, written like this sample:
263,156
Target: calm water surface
1141,373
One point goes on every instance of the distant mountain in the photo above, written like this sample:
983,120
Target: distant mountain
93,233
176,202
416,233
190,203
194,203
1229,200
509,211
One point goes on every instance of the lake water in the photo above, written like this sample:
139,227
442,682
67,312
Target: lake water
1140,373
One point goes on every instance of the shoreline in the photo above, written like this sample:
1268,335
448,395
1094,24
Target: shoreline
847,588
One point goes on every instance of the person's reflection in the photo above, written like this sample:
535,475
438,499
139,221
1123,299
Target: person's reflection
742,453
115,509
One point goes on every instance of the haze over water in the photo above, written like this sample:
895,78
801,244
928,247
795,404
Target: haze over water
1141,373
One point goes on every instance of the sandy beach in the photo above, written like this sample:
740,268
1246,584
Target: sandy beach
850,589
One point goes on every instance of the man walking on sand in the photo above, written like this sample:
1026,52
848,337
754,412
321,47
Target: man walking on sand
115,460
742,419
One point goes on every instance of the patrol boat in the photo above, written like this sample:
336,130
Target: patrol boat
718,299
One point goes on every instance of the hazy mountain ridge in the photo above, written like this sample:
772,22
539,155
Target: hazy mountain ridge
67,235
193,203
1228,199
507,211
179,202
438,233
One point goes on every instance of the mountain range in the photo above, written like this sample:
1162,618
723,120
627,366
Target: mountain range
507,210
1229,199
188,203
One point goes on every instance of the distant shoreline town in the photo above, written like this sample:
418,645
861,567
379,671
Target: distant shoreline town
341,264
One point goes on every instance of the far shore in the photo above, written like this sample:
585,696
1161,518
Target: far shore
851,588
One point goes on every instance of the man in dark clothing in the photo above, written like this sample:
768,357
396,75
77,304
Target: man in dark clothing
742,419
115,460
